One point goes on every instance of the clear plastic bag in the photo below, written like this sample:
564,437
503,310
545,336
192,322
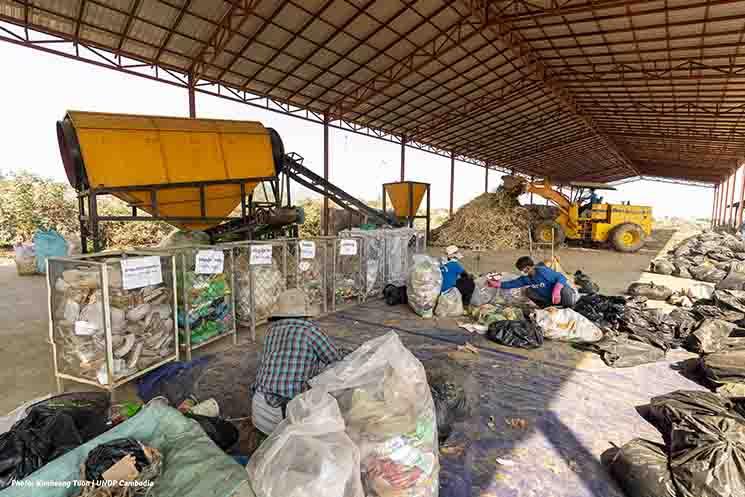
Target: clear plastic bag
449,304
386,402
308,454
25,259
566,325
424,284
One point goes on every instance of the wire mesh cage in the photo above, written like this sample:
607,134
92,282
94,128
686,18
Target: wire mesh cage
348,281
206,294
310,268
373,252
112,316
400,247
261,270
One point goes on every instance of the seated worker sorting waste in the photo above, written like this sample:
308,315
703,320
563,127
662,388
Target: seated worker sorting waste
455,275
295,350
545,286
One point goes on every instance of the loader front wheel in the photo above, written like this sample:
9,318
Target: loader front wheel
627,237
542,233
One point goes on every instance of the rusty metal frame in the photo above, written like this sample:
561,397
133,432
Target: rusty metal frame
572,89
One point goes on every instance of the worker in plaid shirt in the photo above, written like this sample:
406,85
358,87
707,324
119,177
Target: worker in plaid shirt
295,350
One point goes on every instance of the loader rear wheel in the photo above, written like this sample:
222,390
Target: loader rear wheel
542,233
627,237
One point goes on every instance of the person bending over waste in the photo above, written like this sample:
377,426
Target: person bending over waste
295,350
455,275
545,286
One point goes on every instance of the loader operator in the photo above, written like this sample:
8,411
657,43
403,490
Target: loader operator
545,286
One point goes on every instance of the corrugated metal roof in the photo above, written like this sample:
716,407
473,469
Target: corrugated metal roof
575,89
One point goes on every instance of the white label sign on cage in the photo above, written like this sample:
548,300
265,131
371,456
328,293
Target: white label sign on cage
260,254
141,271
209,262
307,250
348,247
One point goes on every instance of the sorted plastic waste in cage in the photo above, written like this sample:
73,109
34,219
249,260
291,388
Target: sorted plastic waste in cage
309,268
113,316
424,285
261,276
385,400
401,245
372,247
308,453
349,280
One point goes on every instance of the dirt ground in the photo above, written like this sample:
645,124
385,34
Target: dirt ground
25,352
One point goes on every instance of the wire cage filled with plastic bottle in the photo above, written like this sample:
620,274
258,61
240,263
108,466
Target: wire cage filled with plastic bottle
373,252
205,279
400,247
348,280
112,316
310,268
261,275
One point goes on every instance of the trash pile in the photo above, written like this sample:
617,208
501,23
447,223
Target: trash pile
30,258
710,256
491,221
121,460
141,321
702,455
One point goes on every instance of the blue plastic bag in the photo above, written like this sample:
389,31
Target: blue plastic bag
48,244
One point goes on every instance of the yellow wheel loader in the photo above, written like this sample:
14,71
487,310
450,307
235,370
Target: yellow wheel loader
584,217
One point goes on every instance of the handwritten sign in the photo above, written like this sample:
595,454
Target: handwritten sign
260,254
307,250
141,271
209,262
348,247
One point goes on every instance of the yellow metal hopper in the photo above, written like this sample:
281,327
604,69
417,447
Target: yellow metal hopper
166,165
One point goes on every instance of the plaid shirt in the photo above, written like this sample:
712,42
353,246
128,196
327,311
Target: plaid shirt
295,351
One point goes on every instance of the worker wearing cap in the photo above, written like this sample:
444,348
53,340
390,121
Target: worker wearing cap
295,350
452,268
545,286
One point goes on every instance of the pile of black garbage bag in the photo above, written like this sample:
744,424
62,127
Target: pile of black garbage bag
709,256
50,429
703,453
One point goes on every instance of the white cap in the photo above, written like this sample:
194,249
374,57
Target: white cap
453,251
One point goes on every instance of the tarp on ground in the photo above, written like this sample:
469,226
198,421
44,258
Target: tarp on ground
193,466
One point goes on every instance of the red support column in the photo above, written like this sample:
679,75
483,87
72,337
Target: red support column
742,198
731,216
192,98
714,206
403,157
325,217
452,180
723,212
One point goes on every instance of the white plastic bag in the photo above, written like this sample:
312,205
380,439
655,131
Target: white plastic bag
566,325
308,454
25,259
386,402
700,291
449,304
424,284
483,293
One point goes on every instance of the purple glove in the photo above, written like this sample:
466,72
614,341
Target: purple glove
556,294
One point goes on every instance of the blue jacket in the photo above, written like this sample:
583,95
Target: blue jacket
450,273
543,281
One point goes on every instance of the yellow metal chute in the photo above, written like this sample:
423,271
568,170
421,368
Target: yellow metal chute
128,151
406,197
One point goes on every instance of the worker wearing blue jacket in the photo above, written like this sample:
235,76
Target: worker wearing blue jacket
544,285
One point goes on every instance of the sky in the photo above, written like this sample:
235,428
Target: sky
37,88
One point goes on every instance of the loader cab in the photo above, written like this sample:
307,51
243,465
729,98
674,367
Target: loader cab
589,203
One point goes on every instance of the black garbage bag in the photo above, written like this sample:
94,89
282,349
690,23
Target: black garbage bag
707,272
703,309
602,310
523,334
704,437
619,350
709,337
395,295
106,455
584,283
640,468
662,266
49,430
730,299
720,255
685,322
220,431
735,280
648,327
680,268
649,290
448,387
724,367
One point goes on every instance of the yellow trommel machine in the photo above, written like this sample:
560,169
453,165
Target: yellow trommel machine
406,198
196,174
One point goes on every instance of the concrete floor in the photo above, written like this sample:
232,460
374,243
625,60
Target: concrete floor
25,352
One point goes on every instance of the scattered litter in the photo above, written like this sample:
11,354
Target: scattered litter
474,328
517,423
649,290
468,348
505,462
